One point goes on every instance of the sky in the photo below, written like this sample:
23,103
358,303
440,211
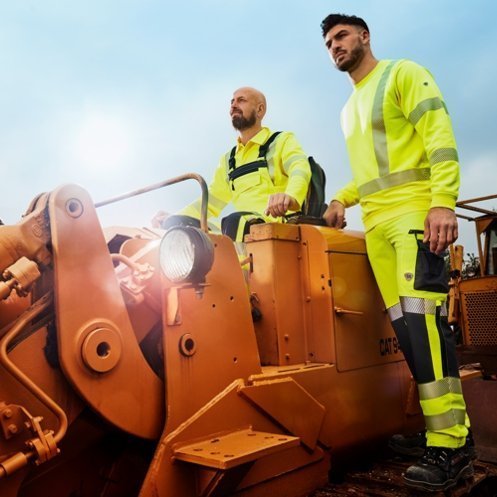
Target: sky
115,95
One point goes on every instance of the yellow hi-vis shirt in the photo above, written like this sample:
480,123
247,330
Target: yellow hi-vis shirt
400,143
288,172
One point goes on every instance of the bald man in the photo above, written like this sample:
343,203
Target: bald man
265,175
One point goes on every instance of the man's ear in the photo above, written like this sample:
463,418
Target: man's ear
261,110
365,36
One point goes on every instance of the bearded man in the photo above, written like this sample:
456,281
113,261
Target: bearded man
265,176
405,172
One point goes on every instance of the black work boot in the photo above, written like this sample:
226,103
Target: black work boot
440,468
414,445
409,445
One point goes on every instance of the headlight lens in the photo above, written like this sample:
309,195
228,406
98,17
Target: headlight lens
186,254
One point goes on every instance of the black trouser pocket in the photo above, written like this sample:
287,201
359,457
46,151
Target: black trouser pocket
431,274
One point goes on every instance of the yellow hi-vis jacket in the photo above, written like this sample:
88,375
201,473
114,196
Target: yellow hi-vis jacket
400,143
288,172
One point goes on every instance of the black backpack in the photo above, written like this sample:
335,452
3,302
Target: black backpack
314,204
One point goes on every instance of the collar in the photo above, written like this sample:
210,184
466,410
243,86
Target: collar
260,138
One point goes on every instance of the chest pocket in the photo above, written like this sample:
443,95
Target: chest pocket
246,181
255,172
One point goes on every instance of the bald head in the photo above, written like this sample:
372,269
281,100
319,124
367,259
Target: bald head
257,96
248,108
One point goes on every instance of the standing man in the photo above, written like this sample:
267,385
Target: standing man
265,176
406,178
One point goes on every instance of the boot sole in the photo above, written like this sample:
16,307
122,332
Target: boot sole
465,473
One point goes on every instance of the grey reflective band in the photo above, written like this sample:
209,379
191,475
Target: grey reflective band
434,103
415,305
443,154
378,123
394,179
300,173
270,160
220,204
443,310
291,160
436,389
445,420
395,312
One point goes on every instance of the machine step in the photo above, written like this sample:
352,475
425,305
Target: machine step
229,450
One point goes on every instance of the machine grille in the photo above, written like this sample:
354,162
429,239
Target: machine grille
481,317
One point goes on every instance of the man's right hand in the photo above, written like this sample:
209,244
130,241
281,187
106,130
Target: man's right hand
335,215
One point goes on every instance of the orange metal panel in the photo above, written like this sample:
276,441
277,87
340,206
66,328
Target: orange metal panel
273,231
226,451
290,473
218,326
363,333
291,280
290,405
88,301
318,297
227,411
276,281
361,405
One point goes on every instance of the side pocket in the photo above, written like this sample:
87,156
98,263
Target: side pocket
431,274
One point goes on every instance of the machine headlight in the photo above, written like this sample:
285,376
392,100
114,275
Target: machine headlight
186,254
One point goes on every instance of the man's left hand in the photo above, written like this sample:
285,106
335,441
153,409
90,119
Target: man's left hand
440,229
279,203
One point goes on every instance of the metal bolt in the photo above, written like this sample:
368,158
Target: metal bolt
7,413
12,429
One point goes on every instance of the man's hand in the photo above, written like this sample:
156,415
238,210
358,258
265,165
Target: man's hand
279,203
440,229
335,215
159,218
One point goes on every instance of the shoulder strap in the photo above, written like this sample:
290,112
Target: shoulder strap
265,147
231,160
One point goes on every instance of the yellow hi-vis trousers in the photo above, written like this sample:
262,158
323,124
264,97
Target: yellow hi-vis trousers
413,284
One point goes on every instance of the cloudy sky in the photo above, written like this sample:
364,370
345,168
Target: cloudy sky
117,94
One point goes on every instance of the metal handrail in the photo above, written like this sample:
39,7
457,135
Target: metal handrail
172,181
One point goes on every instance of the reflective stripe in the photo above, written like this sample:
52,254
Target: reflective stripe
416,305
300,173
443,310
436,389
443,154
291,160
270,159
378,123
214,201
445,420
394,179
434,103
395,312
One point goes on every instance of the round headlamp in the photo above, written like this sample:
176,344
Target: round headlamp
186,254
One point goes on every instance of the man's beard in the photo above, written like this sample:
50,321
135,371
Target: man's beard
242,123
356,55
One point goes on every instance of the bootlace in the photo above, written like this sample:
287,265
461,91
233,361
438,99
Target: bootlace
437,456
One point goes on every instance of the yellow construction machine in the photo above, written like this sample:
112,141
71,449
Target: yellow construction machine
131,365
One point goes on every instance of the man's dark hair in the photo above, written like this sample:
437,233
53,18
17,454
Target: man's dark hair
334,19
